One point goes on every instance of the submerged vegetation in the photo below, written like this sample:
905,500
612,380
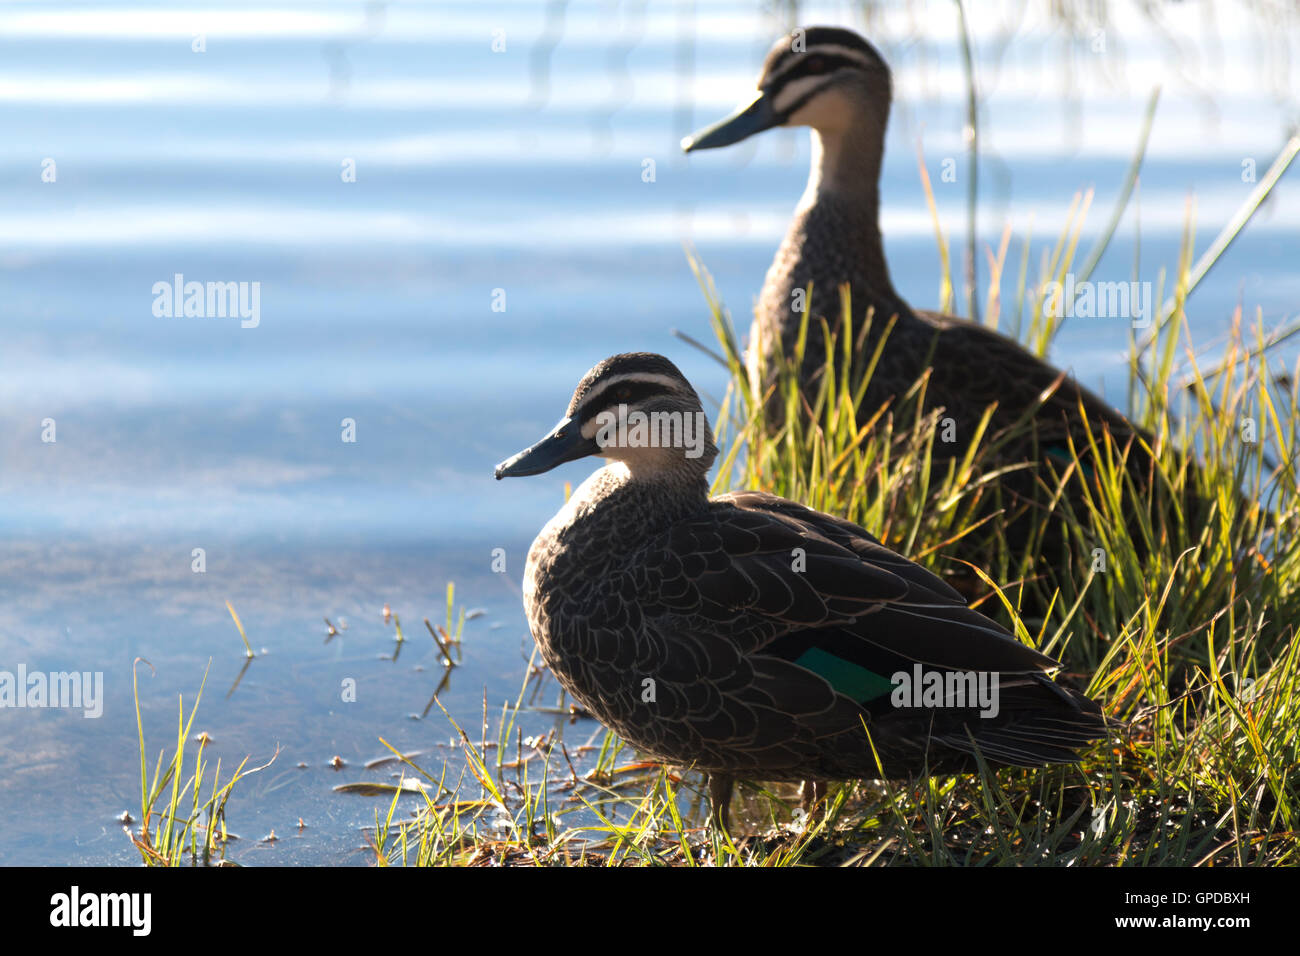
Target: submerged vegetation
178,825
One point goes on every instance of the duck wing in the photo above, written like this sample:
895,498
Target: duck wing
981,366
757,567
774,631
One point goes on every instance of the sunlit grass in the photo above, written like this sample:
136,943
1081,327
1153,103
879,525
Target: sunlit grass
178,824
1187,636
1186,633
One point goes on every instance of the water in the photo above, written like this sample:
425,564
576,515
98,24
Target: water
476,171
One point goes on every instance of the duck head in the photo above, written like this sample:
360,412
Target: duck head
827,78
637,409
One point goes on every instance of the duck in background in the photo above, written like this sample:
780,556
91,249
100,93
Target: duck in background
836,83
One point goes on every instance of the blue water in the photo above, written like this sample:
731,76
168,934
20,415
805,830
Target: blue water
476,171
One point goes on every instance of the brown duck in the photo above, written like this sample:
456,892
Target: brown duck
836,83
747,635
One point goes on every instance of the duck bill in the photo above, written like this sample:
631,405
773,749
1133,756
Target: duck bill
564,443
754,117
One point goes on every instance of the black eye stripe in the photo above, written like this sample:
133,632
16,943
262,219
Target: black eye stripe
621,393
798,104
802,63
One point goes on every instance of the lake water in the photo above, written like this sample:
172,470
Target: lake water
145,141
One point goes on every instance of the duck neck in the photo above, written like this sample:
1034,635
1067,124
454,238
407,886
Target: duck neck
681,490
631,506
844,180
846,166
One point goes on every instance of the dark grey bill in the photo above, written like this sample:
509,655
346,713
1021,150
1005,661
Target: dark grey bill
564,443
745,122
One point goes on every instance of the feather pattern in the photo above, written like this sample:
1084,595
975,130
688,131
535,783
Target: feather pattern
747,634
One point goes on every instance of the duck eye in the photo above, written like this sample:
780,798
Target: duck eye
624,394
816,64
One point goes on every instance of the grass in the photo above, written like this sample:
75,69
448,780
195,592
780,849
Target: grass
178,825
1187,637
1186,633
1185,630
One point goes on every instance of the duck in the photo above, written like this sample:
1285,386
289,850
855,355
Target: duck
835,82
747,636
